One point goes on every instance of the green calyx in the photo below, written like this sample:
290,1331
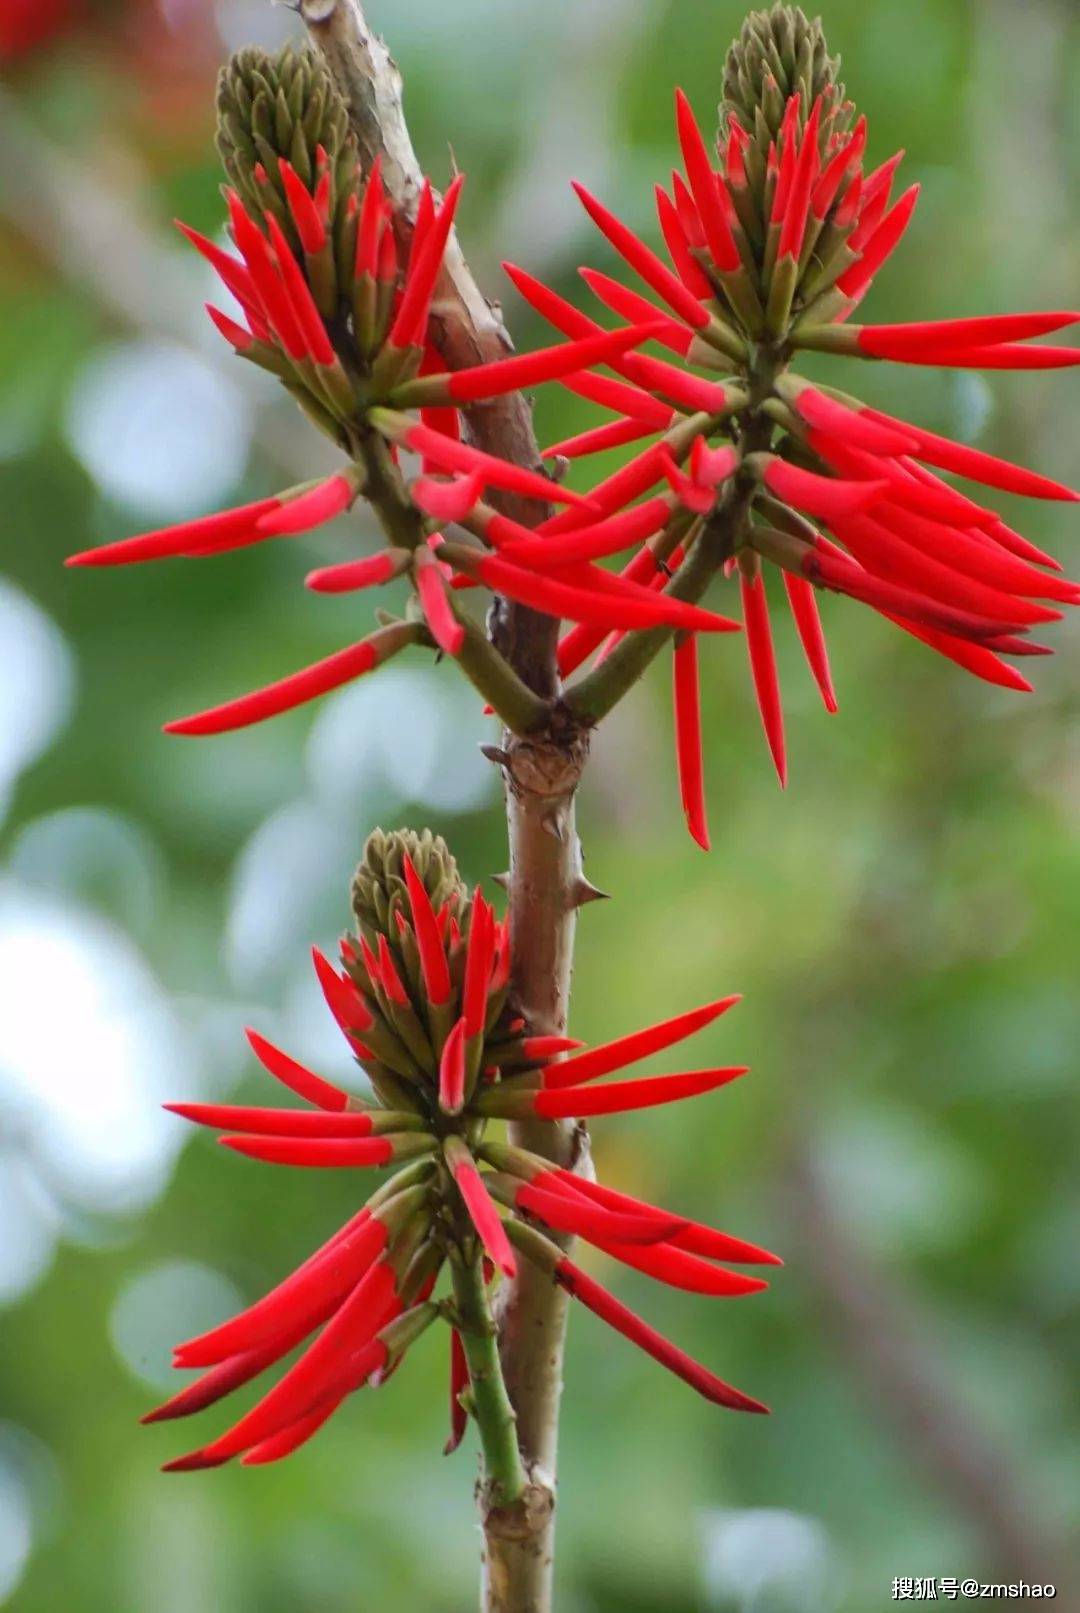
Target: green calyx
776,54
379,889
285,105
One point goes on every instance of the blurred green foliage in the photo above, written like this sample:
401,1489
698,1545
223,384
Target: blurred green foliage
903,921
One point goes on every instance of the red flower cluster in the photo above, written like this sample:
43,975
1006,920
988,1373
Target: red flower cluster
356,348
764,264
422,1004
772,240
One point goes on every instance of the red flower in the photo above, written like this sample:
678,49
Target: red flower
770,253
423,1008
332,308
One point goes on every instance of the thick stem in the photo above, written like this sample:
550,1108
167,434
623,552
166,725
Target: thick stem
542,771
546,887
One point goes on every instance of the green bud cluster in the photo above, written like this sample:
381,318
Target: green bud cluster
286,105
378,885
777,53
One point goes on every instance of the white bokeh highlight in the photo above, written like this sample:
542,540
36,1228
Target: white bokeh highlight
158,428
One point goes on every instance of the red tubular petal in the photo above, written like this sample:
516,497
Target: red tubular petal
1016,544
616,434
411,318
234,274
301,301
804,609
314,508
926,336
910,484
615,491
549,363
699,172
686,210
236,334
797,206
580,642
881,245
371,212
687,697
563,599
686,265
832,569
653,374
759,646
433,964
319,1370
633,306
837,168
1011,644
712,465
448,501
459,1382
478,966
446,630
304,1082
692,494
305,215
975,553
624,1321
819,495
603,1060
542,1047
290,1439
425,218
452,1071
694,1237
266,275
974,658
618,395
620,1097
391,980
734,160
852,427
207,535
274,1122
387,270
643,261
877,185
631,526
484,1216
688,391
299,1304
979,466
459,456
342,995
229,1374
876,544
351,575
288,692
571,1213
679,1269
320,1152
1014,356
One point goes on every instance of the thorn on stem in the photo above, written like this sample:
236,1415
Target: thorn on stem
584,890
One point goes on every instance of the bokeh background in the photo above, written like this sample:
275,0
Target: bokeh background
903,921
